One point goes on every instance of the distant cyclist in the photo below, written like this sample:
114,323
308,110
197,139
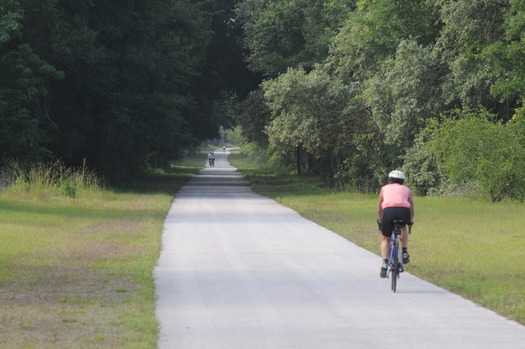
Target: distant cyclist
211,159
395,202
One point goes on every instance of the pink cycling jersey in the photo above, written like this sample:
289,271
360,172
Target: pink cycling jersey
395,195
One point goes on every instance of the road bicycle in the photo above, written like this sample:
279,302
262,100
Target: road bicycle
395,261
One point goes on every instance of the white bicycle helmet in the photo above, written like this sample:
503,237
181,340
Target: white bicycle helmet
396,174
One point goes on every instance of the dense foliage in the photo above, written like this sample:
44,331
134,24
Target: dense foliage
344,89
122,84
432,87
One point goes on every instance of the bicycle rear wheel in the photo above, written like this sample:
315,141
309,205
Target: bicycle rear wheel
395,266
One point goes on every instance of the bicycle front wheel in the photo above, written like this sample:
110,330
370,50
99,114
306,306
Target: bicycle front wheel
393,275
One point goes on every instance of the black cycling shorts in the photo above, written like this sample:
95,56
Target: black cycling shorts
389,215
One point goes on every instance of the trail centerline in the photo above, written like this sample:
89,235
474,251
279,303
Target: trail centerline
239,270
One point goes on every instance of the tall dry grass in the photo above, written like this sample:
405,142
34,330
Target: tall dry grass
52,178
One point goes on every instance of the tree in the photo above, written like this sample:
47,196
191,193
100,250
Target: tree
225,69
24,86
116,83
306,109
372,33
290,33
10,21
314,113
383,52
253,117
470,27
506,55
403,94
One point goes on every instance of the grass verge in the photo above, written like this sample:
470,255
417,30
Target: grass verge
76,272
473,248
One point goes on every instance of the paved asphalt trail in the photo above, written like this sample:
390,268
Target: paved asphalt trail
238,270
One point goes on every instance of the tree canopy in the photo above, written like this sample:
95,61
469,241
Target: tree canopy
354,88
389,79
122,84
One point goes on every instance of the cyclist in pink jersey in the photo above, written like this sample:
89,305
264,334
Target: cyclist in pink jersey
395,202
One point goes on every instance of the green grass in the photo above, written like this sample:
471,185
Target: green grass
76,271
473,248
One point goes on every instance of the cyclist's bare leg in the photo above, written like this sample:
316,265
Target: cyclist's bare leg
385,247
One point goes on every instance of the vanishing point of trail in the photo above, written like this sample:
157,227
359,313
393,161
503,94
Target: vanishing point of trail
238,270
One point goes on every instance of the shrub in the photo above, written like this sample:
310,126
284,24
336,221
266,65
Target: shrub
474,149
